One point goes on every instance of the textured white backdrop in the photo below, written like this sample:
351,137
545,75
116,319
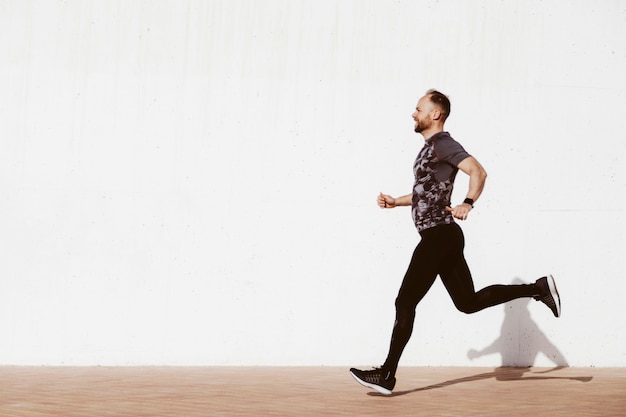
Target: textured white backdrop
194,182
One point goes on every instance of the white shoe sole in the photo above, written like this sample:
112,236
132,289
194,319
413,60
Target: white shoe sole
378,388
555,294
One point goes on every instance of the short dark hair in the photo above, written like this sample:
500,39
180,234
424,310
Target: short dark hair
440,100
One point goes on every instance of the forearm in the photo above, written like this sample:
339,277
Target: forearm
405,200
476,184
477,176
387,201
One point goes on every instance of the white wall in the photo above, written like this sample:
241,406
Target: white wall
194,183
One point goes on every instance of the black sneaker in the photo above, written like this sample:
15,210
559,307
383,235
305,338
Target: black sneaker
548,294
378,379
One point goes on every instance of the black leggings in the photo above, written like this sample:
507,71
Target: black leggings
440,252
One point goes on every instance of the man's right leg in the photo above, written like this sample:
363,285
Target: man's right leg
418,279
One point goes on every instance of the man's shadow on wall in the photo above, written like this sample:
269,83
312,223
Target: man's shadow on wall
519,344
521,340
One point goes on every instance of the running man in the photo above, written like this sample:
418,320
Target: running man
440,250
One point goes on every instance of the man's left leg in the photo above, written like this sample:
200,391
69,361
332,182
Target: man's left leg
457,279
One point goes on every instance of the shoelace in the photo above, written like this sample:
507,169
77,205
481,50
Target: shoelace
377,375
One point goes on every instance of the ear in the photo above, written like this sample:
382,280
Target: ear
436,112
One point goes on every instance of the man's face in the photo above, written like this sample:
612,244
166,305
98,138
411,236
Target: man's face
423,114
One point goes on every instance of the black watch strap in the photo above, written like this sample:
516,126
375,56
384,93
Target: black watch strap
469,201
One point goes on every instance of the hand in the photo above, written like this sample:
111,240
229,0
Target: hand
386,201
461,211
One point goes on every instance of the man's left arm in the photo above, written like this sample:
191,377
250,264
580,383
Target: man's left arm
477,176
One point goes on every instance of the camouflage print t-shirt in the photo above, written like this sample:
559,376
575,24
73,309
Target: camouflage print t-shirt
435,169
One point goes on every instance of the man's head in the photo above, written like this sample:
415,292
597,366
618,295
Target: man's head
431,112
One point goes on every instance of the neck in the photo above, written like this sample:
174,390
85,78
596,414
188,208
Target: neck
429,133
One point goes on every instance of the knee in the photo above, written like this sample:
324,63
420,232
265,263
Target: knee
404,316
466,307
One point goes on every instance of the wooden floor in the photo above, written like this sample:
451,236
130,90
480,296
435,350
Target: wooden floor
318,391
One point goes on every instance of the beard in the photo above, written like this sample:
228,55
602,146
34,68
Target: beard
421,125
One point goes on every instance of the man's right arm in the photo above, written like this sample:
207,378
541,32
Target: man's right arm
387,201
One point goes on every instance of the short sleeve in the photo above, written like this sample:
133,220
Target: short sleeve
449,150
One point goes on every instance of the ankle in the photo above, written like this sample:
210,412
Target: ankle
388,371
